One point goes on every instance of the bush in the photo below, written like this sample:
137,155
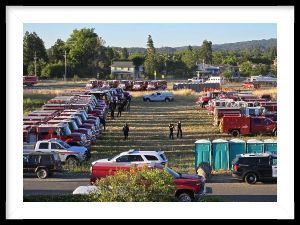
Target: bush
76,78
144,185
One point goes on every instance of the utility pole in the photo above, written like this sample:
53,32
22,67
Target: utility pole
65,76
35,63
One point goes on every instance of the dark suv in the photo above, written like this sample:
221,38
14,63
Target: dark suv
255,167
41,163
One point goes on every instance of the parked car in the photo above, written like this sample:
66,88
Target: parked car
159,97
189,187
43,164
255,167
135,156
72,155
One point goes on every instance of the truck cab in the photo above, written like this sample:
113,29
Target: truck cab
69,154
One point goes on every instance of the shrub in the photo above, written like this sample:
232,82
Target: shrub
144,185
76,78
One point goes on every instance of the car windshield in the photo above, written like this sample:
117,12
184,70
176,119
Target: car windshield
66,130
64,144
74,125
173,173
78,121
84,112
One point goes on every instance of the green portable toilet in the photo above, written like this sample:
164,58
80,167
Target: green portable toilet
220,154
236,146
255,146
202,152
270,145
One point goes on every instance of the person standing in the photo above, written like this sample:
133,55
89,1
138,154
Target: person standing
102,120
112,113
128,103
179,131
171,129
126,131
120,109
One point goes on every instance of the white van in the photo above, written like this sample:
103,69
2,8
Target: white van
213,79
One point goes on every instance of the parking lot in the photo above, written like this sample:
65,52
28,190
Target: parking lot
148,122
223,186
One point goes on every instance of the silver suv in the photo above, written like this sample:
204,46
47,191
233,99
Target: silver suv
135,156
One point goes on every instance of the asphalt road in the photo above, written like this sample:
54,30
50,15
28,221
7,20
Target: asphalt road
224,186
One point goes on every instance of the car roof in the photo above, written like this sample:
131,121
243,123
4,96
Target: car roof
253,155
137,151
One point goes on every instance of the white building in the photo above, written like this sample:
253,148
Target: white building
126,70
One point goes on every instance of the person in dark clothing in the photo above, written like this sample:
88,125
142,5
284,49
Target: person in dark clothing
179,129
112,113
171,129
102,120
125,131
120,109
128,103
114,105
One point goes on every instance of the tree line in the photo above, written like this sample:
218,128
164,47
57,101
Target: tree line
86,55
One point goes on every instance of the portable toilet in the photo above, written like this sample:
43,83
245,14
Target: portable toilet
202,152
236,146
255,146
220,154
270,145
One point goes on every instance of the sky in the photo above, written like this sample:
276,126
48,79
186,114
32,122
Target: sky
163,34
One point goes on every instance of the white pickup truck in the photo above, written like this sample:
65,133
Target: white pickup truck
72,155
160,96
196,80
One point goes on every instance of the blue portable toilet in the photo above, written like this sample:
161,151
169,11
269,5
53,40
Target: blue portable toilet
220,154
255,146
202,152
236,146
270,145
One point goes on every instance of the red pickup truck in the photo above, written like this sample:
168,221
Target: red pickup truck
242,124
189,187
30,80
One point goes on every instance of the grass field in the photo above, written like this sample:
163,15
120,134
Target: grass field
148,122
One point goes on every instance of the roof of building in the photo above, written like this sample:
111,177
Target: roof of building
123,64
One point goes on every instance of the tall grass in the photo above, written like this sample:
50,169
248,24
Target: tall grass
272,92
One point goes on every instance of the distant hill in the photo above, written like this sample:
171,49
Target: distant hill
262,44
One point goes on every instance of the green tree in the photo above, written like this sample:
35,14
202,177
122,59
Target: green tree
137,58
206,51
227,73
86,52
150,59
40,64
57,51
33,44
246,68
188,58
217,57
124,54
230,60
144,185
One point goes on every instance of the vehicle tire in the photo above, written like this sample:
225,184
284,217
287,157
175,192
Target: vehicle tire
185,197
147,99
167,100
235,133
72,161
251,178
42,173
